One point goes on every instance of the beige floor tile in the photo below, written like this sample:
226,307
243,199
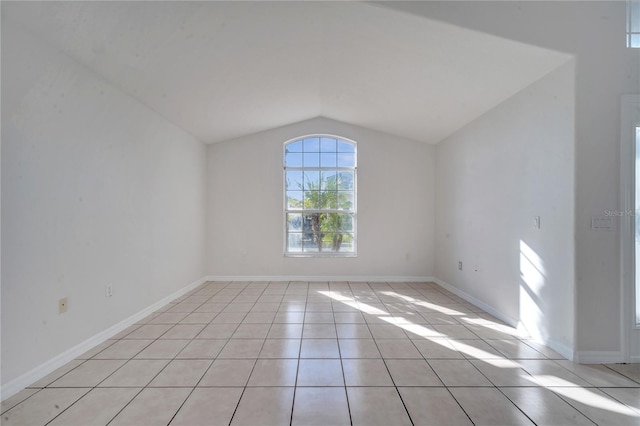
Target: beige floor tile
380,331
544,350
289,305
238,307
202,349
265,307
598,375
476,349
398,348
168,318
548,373
437,349
229,318
264,406
199,318
289,317
515,349
16,399
280,348
274,372
320,407
319,348
55,375
504,372
353,331
259,318
217,331
181,373
123,349
251,331
97,407
319,318
628,396
183,307
412,372
366,372
487,406
97,349
242,348
42,407
88,374
149,331
285,331
454,372
319,331
358,348
455,331
152,406
163,349
126,331
319,306
372,406
135,373
349,317
598,406
435,318
433,407
320,372
211,307
183,331
228,373
545,408
208,406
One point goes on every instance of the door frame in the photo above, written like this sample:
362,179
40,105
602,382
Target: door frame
630,119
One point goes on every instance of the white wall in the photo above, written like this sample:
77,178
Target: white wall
605,69
492,178
395,206
96,189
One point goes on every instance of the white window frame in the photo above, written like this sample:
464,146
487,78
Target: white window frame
353,211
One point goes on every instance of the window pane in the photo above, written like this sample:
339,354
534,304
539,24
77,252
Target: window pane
311,159
634,18
634,40
346,160
328,145
294,180
293,159
345,180
294,222
312,145
312,200
312,180
294,242
294,199
328,180
347,243
345,222
346,147
345,200
328,160
294,147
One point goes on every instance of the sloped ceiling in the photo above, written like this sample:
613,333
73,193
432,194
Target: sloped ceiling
221,70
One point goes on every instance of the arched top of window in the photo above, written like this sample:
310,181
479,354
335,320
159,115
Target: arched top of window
320,151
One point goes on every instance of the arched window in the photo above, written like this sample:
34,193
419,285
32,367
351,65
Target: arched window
320,196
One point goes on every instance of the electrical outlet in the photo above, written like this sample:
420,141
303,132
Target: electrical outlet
108,290
63,305
460,265
536,222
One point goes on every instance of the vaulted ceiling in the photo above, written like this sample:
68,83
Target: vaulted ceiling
221,70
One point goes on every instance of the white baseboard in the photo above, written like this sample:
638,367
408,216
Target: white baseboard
561,348
16,385
598,357
477,302
355,278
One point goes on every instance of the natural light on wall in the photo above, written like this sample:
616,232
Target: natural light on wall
532,280
633,23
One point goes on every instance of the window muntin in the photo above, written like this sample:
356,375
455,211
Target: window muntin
320,196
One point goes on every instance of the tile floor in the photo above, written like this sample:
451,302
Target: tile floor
337,353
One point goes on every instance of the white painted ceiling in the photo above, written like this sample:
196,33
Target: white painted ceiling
221,70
